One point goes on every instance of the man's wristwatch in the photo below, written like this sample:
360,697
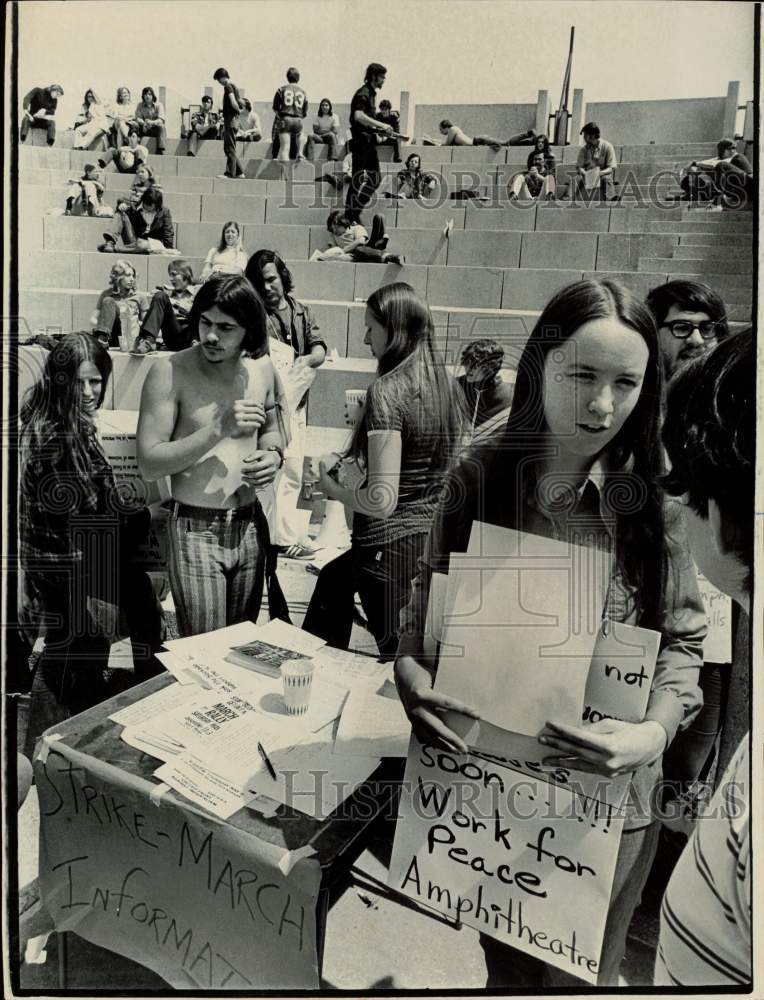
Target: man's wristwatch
279,451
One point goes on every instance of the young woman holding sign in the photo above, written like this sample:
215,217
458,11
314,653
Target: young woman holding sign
581,443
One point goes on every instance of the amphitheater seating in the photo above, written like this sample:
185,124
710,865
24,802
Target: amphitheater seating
490,277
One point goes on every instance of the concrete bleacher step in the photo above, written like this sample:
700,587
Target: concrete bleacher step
731,253
496,247
506,309
696,266
741,240
710,226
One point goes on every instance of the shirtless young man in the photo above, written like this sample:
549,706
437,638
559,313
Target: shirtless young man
211,420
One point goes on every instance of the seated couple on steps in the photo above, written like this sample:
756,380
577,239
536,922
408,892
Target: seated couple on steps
352,242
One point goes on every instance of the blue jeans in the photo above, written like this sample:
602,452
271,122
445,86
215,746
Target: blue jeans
509,968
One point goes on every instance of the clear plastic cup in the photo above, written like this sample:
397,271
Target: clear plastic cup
354,401
297,676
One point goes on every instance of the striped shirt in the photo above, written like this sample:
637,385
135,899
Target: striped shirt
705,936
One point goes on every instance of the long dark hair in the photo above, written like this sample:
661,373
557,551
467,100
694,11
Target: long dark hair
630,498
257,263
233,294
325,100
409,369
148,90
51,413
222,244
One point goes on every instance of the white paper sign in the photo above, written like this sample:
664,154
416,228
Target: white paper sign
621,673
507,855
372,725
520,624
717,645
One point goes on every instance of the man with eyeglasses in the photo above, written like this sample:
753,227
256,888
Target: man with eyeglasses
690,318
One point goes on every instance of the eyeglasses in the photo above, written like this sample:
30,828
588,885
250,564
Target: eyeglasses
684,328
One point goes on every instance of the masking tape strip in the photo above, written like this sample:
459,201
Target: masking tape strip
290,858
156,794
45,745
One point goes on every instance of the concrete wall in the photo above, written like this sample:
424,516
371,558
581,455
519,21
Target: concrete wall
497,120
636,122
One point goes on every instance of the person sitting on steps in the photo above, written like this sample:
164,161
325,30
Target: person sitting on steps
167,316
127,159
89,188
205,124
536,182
351,242
326,130
150,118
145,228
412,181
387,116
248,127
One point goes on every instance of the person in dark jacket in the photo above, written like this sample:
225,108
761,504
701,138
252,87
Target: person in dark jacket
39,111
143,228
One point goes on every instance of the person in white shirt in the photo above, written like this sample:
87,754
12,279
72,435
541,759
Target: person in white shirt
229,256
248,128
595,165
709,435
326,129
92,122
123,117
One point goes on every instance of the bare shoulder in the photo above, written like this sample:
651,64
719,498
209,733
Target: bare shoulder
259,368
168,371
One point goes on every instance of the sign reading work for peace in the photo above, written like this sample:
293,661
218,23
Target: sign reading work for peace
201,903
525,861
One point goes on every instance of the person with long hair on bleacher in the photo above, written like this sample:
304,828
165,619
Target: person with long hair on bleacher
92,122
583,427
229,256
408,434
78,535
144,228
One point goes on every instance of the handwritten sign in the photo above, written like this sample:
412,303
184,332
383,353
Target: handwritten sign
621,673
506,854
199,902
717,645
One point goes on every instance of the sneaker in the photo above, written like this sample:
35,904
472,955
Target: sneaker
715,208
448,228
143,346
394,258
67,211
107,248
110,238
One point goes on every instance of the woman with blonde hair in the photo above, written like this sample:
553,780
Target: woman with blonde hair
404,441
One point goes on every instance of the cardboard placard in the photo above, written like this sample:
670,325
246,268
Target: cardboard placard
506,854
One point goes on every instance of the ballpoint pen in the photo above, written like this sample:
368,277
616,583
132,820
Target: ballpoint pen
266,760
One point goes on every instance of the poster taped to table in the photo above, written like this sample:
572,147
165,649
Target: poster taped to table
201,903
506,855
